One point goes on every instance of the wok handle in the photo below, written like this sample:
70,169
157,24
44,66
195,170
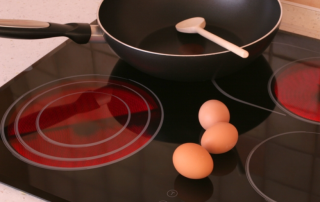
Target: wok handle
28,29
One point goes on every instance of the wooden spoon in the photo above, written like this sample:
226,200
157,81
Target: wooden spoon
196,25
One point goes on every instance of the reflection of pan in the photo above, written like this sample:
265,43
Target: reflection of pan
181,100
249,85
132,29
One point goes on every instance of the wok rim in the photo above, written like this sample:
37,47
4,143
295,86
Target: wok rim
197,55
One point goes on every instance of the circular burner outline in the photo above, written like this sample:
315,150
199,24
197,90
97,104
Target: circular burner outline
82,158
247,169
275,100
17,155
80,145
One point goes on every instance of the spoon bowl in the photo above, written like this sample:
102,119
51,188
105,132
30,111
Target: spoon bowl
191,25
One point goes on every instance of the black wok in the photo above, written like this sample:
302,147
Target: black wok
142,33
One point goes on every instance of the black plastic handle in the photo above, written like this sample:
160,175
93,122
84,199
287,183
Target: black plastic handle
78,32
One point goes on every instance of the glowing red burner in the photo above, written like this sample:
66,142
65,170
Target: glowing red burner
82,124
297,89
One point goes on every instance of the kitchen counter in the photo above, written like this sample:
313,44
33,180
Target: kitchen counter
18,55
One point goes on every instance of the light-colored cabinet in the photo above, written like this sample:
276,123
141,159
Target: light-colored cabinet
313,3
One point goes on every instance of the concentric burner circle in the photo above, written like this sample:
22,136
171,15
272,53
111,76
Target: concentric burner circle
78,145
82,122
285,167
295,89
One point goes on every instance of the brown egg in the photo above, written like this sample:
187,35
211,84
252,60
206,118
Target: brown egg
220,138
192,161
211,112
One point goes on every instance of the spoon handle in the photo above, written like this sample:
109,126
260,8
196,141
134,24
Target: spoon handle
226,44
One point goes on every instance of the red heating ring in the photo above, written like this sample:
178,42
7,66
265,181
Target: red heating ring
84,118
297,89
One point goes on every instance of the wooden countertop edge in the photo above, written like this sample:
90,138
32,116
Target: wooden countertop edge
301,19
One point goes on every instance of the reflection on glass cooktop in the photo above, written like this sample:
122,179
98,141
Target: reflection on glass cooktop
83,125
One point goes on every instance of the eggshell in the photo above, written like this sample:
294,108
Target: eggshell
220,138
211,112
192,161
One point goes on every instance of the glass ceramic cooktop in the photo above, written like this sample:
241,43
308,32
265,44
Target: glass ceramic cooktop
83,125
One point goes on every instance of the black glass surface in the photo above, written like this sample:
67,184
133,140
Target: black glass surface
148,174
